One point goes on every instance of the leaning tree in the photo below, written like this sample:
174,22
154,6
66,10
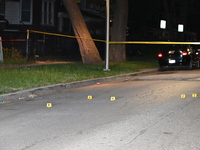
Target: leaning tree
88,49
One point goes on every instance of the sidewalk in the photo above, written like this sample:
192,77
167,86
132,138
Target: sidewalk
6,98
37,63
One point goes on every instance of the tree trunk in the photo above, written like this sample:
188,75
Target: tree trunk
118,33
183,17
88,49
168,19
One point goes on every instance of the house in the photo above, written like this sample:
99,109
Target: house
18,16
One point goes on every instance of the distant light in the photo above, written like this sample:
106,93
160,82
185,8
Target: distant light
160,55
180,28
163,24
185,53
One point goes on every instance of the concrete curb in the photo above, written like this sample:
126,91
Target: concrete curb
4,98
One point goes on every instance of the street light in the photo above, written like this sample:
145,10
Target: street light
180,28
163,24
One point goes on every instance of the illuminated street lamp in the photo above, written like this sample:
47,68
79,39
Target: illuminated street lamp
163,24
180,28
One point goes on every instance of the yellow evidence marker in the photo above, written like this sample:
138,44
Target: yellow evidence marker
183,96
194,95
112,98
89,97
49,105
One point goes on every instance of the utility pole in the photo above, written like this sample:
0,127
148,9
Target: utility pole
107,34
1,51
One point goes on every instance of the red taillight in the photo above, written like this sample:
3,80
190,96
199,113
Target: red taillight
184,53
160,55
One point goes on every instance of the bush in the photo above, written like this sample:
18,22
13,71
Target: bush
12,55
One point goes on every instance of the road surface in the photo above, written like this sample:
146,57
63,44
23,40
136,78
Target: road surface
157,111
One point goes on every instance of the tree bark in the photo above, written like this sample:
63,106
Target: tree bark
118,33
88,49
168,19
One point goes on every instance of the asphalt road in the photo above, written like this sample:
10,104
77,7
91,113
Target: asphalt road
153,111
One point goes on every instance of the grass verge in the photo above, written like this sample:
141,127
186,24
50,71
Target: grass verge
16,79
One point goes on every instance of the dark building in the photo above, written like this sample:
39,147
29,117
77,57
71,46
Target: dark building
18,16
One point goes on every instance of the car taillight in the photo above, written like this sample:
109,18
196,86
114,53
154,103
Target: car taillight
160,55
184,53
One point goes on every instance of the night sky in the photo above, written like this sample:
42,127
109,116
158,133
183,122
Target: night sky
148,13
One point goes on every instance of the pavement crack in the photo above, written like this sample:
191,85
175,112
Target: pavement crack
141,133
36,142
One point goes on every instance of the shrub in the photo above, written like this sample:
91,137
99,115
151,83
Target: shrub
12,55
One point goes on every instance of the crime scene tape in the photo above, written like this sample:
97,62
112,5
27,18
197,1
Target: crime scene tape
47,33
118,42
153,42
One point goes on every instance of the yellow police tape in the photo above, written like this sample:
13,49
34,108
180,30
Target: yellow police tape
47,33
153,42
118,42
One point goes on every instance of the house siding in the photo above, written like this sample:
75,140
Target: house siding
2,8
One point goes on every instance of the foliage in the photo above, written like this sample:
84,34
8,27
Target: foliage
12,56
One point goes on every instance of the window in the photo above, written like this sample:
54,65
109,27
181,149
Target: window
48,12
26,11
18,11
64,25
12,11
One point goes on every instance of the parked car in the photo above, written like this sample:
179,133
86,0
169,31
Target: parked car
178,56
